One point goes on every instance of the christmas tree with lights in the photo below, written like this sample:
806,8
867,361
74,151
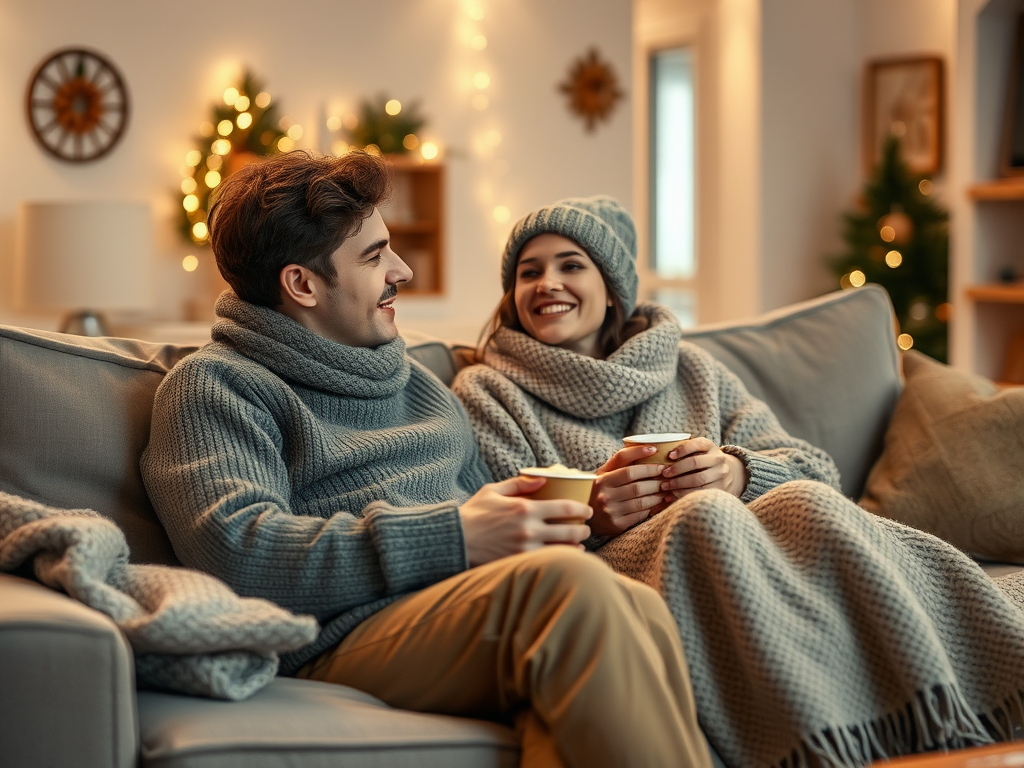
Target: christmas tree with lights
898,238
243,126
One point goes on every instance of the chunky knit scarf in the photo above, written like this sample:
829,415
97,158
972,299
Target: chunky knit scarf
534,405
324,477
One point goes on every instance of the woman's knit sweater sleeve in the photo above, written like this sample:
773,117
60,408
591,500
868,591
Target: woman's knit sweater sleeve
238,489
751,431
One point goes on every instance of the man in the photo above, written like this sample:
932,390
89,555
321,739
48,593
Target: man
304,458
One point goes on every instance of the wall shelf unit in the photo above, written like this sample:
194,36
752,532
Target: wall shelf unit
987,224
1011,293
1003,189
415,219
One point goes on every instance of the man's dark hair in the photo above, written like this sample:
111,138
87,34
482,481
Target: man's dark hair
294,208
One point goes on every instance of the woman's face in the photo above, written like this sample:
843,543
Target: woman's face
560,294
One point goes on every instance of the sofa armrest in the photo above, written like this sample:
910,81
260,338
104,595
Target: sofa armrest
68,682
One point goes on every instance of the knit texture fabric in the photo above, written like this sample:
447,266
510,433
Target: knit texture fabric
599,224
534,405
817,634
189,632
323,477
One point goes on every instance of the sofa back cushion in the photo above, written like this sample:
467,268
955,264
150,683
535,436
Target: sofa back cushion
828,367
74,419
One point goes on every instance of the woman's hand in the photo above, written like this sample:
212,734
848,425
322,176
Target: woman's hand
699,464
626,493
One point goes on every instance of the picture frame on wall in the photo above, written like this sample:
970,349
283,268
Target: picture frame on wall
904,97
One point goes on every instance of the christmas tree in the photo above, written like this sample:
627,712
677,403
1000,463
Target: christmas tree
898,238
243,126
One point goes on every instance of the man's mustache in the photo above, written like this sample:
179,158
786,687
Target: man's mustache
389,293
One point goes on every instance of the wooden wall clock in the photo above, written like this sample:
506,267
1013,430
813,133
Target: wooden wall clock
77,105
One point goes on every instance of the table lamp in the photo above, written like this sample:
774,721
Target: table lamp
84,258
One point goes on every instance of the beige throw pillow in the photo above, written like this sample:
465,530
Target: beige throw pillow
953,462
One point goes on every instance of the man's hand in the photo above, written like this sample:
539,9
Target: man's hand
498,522
626,493
698,464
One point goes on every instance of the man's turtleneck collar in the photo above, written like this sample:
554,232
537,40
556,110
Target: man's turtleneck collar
299,355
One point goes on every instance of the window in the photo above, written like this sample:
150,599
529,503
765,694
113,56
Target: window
672,177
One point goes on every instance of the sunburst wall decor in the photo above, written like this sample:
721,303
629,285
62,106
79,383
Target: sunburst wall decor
592,88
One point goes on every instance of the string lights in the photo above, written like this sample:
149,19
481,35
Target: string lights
243,126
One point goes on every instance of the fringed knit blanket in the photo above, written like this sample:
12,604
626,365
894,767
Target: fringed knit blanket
189,631
819,634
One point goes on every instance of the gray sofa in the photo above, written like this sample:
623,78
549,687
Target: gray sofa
74,415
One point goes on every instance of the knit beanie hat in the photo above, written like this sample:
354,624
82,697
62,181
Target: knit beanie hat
602,227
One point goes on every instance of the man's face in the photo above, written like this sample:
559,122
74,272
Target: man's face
357,309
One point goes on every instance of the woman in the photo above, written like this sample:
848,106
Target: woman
566,377
816,633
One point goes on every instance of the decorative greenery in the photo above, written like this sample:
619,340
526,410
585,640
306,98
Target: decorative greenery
898,238
386,125
243,126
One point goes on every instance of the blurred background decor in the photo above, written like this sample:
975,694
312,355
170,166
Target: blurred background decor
592,88
904,99
385,126
243,126
77,105
898,237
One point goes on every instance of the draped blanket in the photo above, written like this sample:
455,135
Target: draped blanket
190,633
820,635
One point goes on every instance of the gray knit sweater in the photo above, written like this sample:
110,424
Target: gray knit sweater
323,477
533,405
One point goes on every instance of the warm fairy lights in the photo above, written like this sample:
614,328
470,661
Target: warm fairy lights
190,263
242,126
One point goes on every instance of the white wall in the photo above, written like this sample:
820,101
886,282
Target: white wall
314,54
810,172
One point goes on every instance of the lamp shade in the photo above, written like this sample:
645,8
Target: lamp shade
94,254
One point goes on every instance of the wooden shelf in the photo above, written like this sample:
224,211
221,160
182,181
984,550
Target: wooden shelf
1002,189
415,218
997,293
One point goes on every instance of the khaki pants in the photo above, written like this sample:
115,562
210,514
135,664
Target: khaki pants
588,662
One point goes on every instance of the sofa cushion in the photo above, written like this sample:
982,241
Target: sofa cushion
74,419
828,367
300,723
953,463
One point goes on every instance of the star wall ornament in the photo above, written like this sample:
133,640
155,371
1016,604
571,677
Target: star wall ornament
592,88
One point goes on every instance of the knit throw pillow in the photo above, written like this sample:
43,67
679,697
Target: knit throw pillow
953,461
